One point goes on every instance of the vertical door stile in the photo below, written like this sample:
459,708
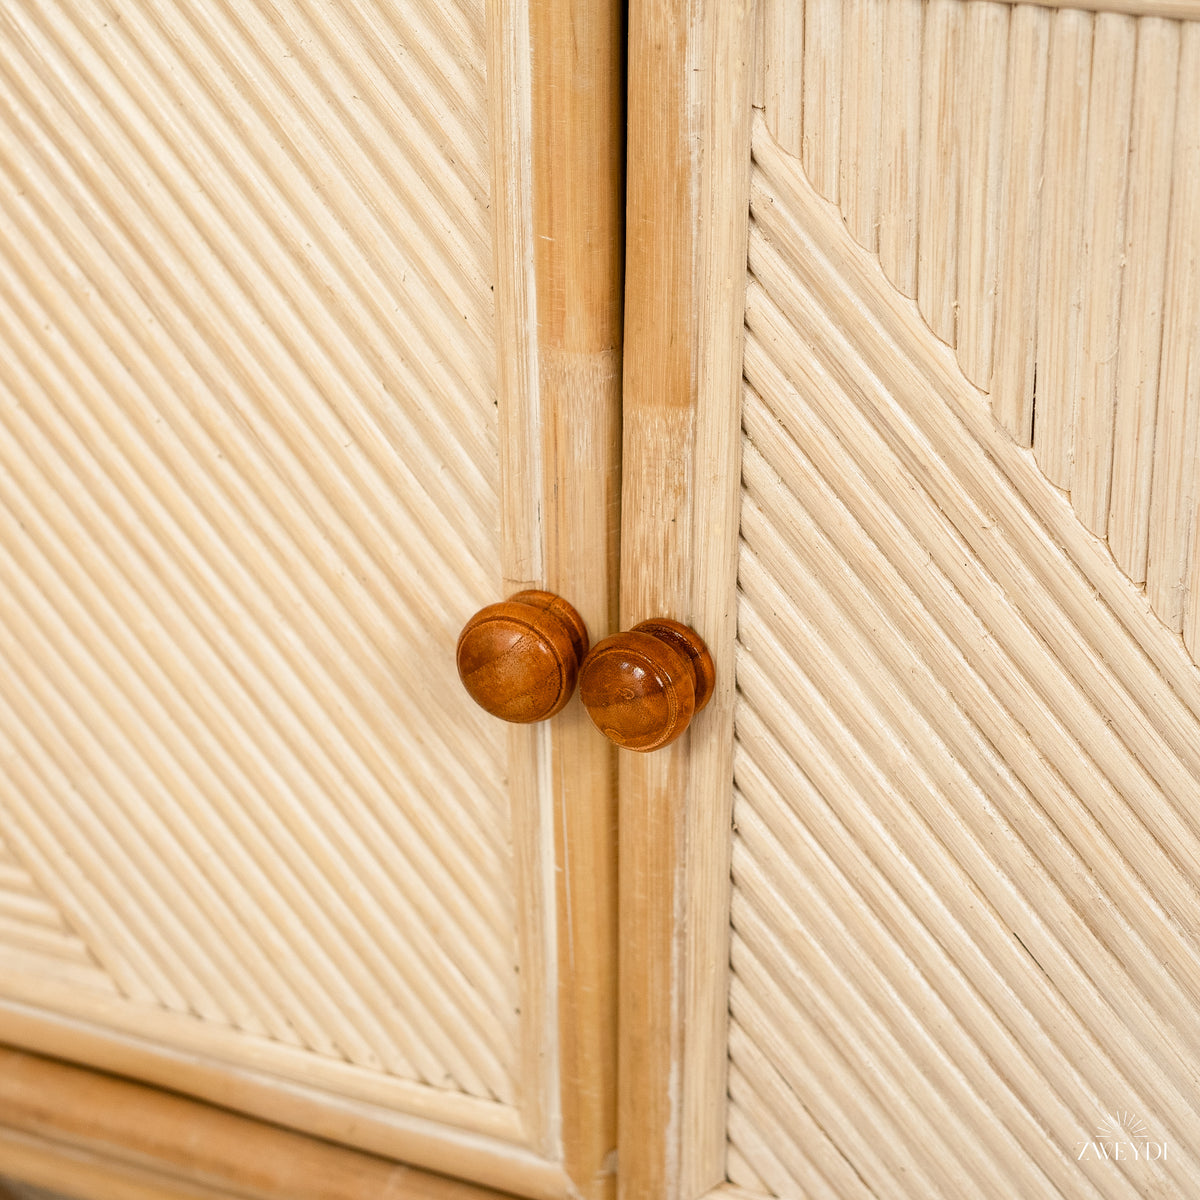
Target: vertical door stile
558,154
688,161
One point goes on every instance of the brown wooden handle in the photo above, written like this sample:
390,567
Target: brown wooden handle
642,688
519,659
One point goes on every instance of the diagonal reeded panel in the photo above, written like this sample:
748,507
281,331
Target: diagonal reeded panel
966,846
248,486
1030,175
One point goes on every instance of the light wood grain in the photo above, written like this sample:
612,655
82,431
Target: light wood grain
685,270
941,167
186,690
32,928
1060,282
1109,120
88,1135
267,434
822,92
567,396
1086,622
435,1131
862,118
782,72
981,76
901,143
578,239
523,549
1015,359
1151,164
1180,10
1005,780
1125,612
655,536
1173,500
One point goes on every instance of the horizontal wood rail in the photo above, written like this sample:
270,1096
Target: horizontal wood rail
86,1134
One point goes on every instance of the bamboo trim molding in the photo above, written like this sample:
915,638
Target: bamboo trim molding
688,178
558,152
87,1134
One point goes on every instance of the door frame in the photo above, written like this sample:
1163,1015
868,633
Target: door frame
688,164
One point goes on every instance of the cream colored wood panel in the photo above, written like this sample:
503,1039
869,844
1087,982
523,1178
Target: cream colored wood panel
258,844
965,857
1048,230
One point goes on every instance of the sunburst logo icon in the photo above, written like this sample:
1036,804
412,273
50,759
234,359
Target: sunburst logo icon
1123,1126
1122,1137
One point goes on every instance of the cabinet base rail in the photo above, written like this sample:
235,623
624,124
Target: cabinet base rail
88,1134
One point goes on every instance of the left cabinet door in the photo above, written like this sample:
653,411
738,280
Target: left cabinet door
273,423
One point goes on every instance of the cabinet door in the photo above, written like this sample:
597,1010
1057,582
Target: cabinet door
937,517
277,417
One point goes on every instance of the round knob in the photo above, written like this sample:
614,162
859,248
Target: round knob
642,688
519,659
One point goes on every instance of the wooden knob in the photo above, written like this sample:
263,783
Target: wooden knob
519,659
642,688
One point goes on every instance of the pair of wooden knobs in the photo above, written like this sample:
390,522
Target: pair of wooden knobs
520,659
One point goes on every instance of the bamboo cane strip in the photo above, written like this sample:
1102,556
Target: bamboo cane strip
939,235
822,116
1151,166
900,138
1015,363
1108,177
782,71
982,79
862,114
1174,498
1060,244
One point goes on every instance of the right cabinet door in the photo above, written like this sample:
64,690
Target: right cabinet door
964,836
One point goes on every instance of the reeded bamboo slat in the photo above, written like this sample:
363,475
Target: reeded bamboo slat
1014,364
1049,213
964,848
862,116
1104,206
900,99
1151,165
821,92
32,929
941,179
1173,498
1060,258
1030,770
782,72
981,73
576,236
